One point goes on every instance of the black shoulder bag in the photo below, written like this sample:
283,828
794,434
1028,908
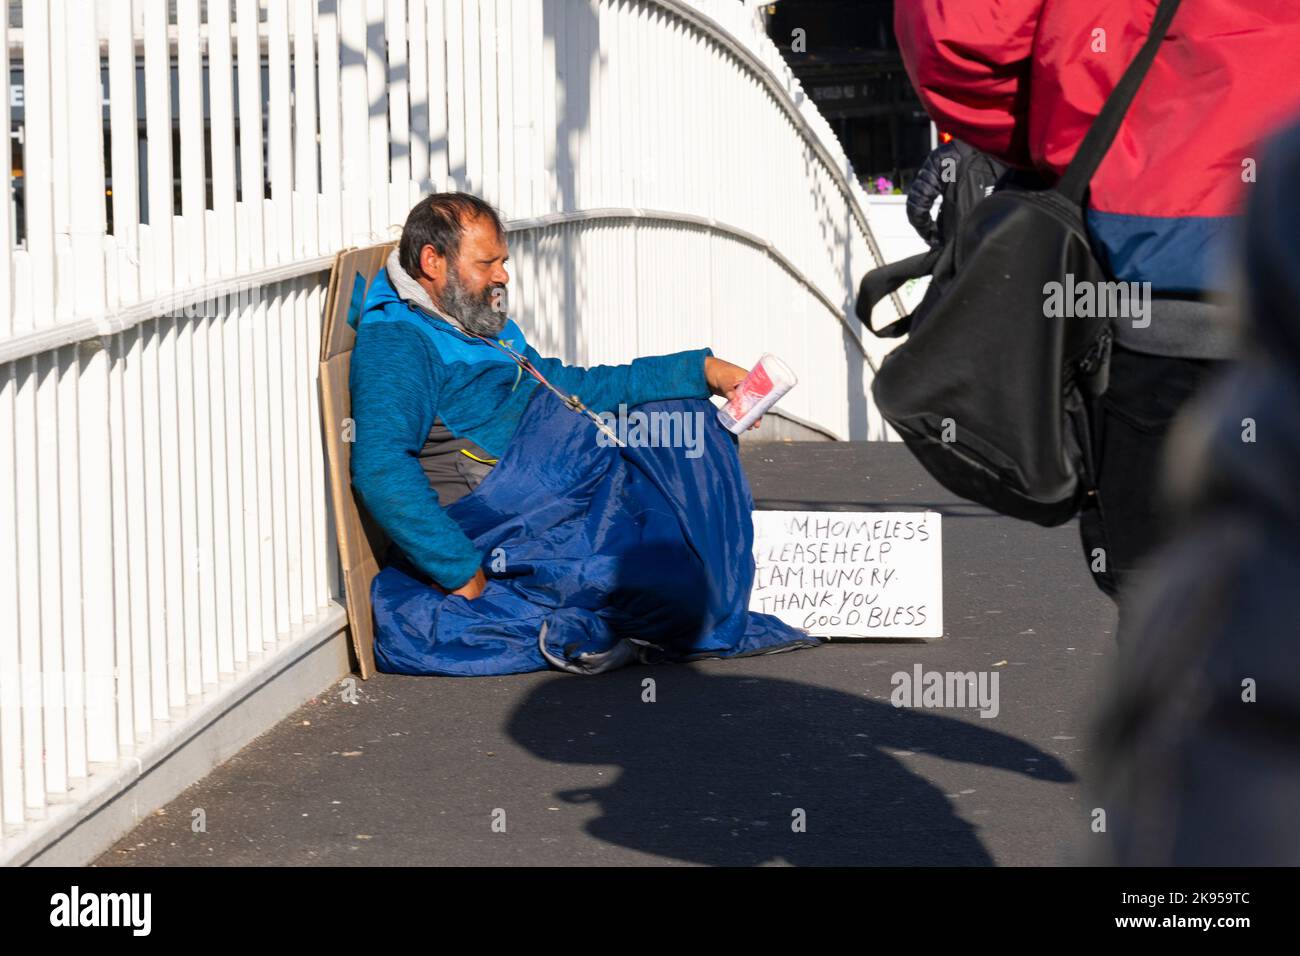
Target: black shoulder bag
990,391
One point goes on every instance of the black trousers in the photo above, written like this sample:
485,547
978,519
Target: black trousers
1126,519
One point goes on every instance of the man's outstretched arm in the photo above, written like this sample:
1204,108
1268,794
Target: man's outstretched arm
649,379
695,373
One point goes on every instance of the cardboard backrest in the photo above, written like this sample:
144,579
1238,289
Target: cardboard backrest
361,541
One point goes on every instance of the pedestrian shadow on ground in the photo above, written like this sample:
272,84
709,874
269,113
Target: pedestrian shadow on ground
716,768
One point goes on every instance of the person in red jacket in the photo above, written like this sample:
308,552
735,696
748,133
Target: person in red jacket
1022,80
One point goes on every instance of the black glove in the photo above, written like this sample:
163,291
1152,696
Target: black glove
928,186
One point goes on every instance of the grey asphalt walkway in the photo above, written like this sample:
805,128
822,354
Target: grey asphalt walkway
582,771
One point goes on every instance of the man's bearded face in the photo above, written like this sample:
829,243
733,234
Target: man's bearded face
484,312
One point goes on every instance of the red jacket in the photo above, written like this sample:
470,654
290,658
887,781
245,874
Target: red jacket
1023,79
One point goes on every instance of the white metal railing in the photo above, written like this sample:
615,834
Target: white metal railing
163,520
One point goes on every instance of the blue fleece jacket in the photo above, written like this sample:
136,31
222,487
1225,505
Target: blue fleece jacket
409,366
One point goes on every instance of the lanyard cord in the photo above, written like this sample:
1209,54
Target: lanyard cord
572,401
523,363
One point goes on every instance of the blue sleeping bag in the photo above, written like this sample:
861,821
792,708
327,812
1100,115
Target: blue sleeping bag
596,556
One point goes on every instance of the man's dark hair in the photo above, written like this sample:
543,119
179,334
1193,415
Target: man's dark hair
439,221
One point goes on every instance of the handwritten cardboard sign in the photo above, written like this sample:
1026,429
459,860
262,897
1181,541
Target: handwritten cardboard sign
850,573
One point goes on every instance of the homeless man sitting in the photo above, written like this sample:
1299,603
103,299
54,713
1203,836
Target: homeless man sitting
445,395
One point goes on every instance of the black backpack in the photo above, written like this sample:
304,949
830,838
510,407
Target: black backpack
990,392
976,175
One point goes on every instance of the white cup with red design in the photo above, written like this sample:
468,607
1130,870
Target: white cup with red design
762,388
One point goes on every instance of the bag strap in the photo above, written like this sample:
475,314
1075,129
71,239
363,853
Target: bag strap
880,282
1104,128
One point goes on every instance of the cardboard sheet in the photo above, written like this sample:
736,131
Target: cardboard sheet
361,541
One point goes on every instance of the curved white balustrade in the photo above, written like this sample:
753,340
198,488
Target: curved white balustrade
164,538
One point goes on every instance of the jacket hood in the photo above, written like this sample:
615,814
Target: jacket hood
402,287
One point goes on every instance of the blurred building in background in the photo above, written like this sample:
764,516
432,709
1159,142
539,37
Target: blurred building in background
103,13
844,53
